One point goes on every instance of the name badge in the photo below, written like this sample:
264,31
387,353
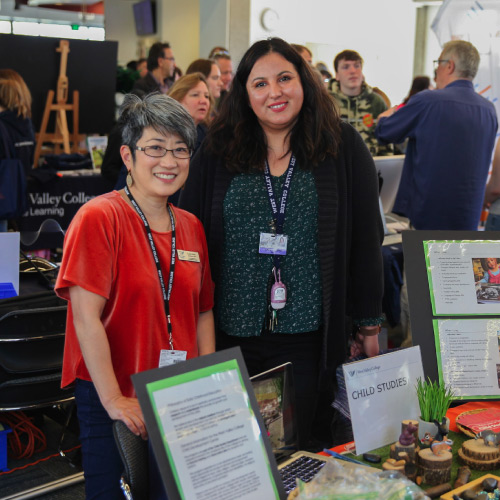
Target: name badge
189,256
273,244
168,357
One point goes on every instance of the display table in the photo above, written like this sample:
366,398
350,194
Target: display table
457,437
59,199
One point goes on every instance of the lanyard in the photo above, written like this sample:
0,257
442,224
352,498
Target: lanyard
279,217
165,292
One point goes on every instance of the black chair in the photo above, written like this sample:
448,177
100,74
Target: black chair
134,454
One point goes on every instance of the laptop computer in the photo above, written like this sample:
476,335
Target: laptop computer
390,169
275,395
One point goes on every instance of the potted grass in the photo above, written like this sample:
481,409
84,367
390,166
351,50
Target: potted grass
434,400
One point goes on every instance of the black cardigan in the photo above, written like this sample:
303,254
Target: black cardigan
350,234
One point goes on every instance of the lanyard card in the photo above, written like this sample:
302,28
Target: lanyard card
273,244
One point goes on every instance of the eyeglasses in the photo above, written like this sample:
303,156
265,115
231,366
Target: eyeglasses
159,152
169,58
437,62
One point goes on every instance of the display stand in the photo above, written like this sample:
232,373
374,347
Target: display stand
421,313
61,136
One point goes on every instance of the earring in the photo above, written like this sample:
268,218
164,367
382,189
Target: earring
130,181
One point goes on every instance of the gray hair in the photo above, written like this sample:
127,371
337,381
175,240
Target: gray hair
464,55
162,113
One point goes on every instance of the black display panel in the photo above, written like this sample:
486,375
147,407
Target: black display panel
91,70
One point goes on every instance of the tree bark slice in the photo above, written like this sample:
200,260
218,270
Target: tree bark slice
434,469
477,450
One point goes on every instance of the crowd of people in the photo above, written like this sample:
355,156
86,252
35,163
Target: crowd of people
275,215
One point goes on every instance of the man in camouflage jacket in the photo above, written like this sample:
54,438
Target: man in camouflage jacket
359,105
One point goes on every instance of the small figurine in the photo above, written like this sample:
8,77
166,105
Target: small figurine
438,447
442,429
427,439
489,437
407,437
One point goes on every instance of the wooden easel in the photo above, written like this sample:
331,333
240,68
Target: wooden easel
61,106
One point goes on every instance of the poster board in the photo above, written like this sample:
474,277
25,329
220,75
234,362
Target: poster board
446,317
206,429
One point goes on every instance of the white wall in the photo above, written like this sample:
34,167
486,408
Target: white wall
119,25
382,31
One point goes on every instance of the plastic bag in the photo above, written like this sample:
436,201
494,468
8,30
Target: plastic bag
345,481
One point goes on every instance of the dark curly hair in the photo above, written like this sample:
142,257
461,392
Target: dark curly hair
237,135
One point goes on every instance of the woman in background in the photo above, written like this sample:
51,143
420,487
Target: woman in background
17,136
278,164
117,319
210,70
192,92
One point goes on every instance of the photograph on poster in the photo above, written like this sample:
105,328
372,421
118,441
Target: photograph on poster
468,352
463,277
487,279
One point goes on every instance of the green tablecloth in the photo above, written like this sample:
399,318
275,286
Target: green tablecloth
457,438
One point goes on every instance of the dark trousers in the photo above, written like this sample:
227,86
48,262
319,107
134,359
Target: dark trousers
102,465
303,351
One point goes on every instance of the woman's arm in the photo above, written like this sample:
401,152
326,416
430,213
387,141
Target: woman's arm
206,333
87,310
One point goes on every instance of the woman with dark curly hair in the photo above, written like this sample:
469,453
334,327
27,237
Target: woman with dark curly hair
288,196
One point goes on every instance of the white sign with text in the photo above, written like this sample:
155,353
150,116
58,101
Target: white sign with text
381,393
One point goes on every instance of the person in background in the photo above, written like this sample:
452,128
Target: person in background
117,316
419,83
359,104
17,136
304,52
223,59
142,67
210,70
161,68
325,74
192,92
451,134
289,302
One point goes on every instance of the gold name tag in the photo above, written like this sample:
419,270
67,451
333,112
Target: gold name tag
189,256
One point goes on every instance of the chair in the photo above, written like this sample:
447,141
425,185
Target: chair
134,453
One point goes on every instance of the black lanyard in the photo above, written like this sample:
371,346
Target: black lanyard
279,217
166,293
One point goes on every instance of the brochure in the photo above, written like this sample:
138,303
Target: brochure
97,148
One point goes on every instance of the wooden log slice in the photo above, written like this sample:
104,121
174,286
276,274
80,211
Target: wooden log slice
399,448
434,469
427,459
434,476
477,450
478,464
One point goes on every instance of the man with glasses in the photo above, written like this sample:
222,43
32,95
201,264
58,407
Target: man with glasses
161,68
451,134
223,59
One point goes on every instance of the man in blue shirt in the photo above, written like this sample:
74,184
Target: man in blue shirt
451,134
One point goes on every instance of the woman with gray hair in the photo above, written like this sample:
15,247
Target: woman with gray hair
117,273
